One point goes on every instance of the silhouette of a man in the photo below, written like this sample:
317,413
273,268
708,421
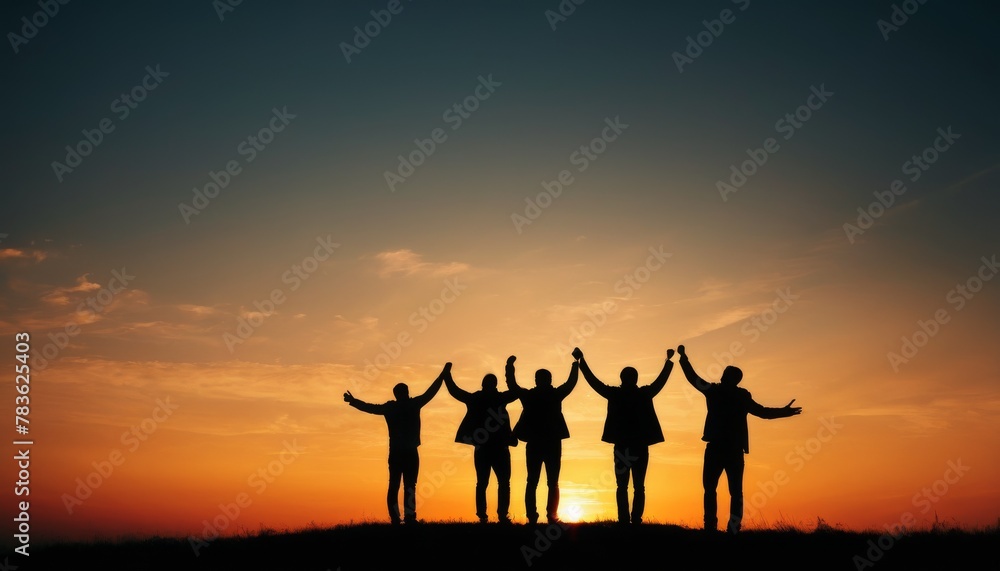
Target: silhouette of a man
542,427
403,419
632,426
486,426
727,437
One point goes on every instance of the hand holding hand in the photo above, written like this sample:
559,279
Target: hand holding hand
577,353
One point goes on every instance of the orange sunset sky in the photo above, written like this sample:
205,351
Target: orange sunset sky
182,361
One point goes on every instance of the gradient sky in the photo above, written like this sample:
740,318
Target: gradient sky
815,310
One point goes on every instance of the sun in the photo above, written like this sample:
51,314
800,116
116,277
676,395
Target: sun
572,513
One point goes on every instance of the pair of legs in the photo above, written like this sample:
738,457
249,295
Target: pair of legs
549,454
631,460
495,459
403,465
719,458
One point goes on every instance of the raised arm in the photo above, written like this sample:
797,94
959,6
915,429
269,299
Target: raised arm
455,391
692,377
588,375
362,405
767,412
512,385
567,387
661,380
435,386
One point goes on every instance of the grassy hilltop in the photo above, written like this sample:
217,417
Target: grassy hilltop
584,546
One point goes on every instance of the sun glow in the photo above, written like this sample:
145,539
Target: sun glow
573,513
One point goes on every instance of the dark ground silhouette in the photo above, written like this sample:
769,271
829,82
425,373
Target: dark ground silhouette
568,546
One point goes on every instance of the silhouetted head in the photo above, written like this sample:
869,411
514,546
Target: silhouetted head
543,378
401,391
490,382
630,377
731,376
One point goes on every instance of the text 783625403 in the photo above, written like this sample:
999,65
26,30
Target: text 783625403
21,422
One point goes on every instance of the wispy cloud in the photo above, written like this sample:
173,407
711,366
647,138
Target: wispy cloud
199,310
408,263
963,183
724,319
61,295
18,254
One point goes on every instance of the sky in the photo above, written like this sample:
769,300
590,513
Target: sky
218,218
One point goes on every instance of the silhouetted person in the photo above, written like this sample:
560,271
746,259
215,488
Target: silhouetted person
403,419
727,437
542,427
632,427
487,427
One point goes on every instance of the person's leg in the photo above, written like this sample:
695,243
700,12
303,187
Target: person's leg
553,464
639,467
533,456
734,474
710,475
482,462
410,470
501,465
392,496
622,470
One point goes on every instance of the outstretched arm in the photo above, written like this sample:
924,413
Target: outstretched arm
692,377
435,386
454,390
592,380
767,412
661,379
362,405
567,387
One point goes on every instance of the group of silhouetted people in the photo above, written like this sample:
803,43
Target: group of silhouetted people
631,426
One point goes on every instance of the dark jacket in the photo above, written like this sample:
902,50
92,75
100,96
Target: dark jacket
486,421
631,416
728,407
401,416
541,416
